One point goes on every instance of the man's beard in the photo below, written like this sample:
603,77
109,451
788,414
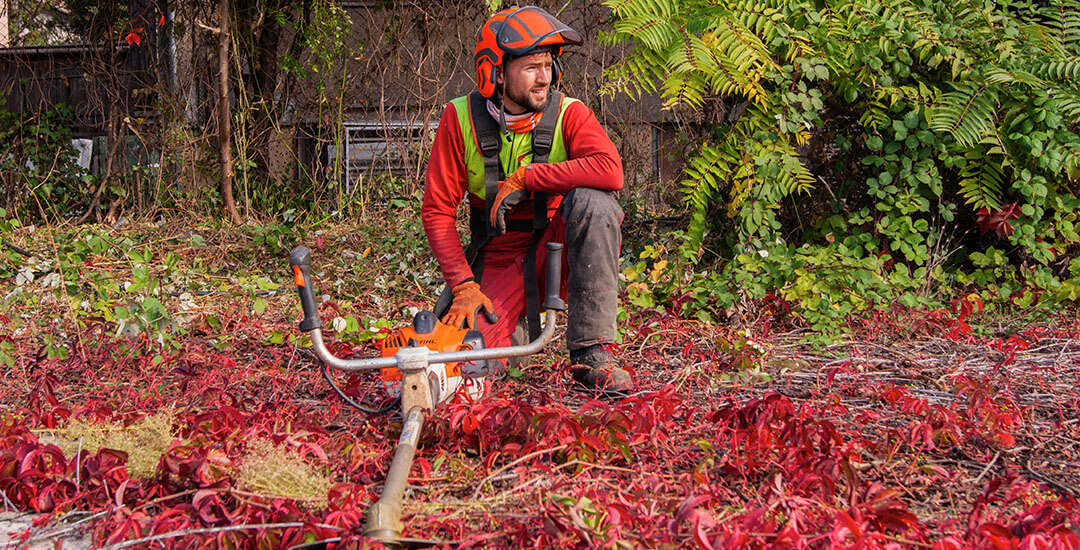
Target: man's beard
526,100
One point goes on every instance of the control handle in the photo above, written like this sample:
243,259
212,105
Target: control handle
553,278
300,260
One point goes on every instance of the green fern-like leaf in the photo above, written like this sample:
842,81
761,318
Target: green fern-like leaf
706,173
1064,22
685,89
697,49
628,8
654,32
1071,162
635,75
981,180
1059,70
781,172
1016,76
758,17
966,113
691,56
875,116
1067,102
1047,39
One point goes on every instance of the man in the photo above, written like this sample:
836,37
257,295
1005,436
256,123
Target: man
536,166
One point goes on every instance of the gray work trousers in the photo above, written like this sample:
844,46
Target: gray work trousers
592,238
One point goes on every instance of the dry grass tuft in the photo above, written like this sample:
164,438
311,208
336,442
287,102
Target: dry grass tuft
144,441
274,471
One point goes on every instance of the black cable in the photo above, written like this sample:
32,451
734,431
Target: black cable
370,410
24,252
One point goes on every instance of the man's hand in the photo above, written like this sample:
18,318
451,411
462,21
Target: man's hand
511,192
468,301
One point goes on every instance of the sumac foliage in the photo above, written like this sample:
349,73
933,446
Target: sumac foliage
853,154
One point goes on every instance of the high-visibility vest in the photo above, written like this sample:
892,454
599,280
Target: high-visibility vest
515,149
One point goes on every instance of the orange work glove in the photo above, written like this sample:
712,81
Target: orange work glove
468,301
511,192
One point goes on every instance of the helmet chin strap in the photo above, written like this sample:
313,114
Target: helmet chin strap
502,111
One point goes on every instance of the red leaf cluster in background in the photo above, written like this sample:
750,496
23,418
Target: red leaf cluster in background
134,37
998,221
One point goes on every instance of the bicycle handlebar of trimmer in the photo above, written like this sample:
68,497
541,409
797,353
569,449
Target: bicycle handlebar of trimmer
300,259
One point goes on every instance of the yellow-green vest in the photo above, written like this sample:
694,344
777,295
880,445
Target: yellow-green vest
514,151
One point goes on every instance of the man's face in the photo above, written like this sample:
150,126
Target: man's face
527,82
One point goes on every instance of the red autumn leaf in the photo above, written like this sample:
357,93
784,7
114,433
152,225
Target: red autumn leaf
316,450
133,38
1005,439
701,537
876,494
43,502
618,514
690,504
951,543
469,424
998,221
847,523
119,495
999,536
209,507
424,465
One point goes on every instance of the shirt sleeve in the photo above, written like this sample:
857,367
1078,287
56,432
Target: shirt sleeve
592,161
444,189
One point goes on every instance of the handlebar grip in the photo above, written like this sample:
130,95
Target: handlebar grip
300,260
553,280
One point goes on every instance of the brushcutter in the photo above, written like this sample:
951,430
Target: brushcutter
424,364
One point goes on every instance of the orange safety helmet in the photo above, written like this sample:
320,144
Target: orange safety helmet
518,31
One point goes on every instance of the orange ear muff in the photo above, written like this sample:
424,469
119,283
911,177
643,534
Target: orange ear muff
485,78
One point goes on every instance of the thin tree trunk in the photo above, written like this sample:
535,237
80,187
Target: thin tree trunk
224,122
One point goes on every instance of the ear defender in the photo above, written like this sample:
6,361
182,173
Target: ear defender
556,71
485,77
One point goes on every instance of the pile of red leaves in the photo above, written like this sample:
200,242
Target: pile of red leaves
897,438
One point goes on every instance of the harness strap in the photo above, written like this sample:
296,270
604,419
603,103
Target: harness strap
542,139
487,136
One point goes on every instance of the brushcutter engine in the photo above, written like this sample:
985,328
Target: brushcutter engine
462,379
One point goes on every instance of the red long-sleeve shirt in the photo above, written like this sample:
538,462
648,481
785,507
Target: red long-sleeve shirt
592,161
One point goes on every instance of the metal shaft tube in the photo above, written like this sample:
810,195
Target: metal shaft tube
384,517
319,346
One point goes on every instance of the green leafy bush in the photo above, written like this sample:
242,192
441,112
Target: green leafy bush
38,173
907,146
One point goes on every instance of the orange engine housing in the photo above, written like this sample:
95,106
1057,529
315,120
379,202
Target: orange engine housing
427,331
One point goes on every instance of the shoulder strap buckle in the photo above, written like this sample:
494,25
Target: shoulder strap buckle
544,133
487,132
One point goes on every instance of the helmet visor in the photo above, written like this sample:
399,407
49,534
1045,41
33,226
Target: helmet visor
530,27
